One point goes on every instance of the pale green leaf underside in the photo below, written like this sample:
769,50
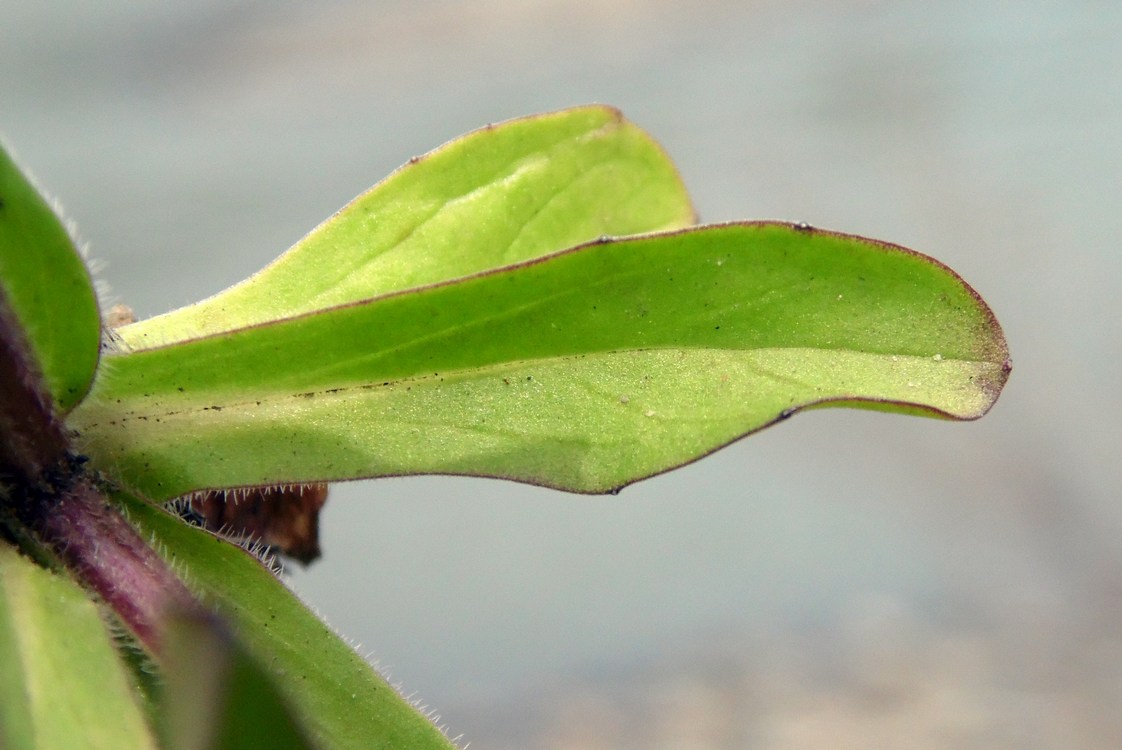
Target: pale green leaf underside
497,196
343,703
48,287
62,685
585,371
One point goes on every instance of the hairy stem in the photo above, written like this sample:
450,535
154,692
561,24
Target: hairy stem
103,549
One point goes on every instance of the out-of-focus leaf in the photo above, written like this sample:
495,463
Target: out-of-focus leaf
216,696
337,697
47,285
585,371
500,195
62,685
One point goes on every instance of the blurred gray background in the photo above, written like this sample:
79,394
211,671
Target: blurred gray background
847,579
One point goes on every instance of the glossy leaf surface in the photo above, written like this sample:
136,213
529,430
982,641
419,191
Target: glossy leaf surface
47,285
500,195
62,685
343,703
586,370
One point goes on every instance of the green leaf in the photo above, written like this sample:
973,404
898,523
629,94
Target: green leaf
47,284
584,371
342,702
61,685
217,697
500,195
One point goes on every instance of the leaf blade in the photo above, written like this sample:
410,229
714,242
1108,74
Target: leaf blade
48,286
343,703
544,355
499,195
62,685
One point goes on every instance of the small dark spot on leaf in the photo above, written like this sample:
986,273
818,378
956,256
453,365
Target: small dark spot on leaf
180,389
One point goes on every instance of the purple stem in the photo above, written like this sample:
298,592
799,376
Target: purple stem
108,555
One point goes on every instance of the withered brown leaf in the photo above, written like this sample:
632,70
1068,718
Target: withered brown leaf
282,520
